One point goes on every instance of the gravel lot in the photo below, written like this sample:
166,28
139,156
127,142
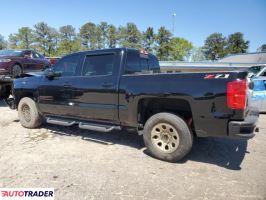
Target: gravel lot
87,165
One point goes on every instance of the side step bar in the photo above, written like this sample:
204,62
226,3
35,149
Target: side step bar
99,128
82,125
60,122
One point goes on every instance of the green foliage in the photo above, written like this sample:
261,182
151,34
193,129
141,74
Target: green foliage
129,36
197,54
68,40
148,38
87,34
3,43
236,44
262,48
111,37
46,39
101,35
163,43
214,47
23,39
12,41
65,40
180,49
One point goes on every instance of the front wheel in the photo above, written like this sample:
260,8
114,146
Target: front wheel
28,114
16,71
167,137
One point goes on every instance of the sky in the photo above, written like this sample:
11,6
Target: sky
194,20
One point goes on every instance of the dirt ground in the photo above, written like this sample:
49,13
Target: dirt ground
80,164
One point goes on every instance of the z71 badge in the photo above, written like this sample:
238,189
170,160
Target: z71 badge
216,76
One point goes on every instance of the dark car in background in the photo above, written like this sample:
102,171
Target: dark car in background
16,62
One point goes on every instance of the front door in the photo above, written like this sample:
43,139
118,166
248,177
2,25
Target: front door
56,94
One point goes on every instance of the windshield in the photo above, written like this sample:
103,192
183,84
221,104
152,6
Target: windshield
10,53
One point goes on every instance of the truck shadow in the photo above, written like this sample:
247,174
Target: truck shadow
224,152
227,153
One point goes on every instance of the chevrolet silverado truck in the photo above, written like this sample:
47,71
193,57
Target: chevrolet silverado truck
114,89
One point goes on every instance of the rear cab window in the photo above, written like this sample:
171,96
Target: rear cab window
140,62
99,65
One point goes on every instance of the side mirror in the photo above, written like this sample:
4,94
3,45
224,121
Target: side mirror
49,73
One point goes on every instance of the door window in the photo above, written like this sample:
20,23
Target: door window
37,55
98,65
67,66
27,54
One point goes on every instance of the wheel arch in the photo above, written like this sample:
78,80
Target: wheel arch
150,106
24,94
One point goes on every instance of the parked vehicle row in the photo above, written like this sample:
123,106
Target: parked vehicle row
123,88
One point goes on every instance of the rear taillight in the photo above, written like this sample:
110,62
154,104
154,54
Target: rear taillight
237,94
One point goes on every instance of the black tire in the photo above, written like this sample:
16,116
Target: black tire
167,137
16,71
28,114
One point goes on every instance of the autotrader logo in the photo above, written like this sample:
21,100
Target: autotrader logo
27,193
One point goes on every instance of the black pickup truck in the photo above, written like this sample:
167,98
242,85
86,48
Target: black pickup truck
114,89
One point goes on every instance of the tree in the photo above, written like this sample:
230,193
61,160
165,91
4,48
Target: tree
3,43
68,40
24,38
214,47
236,44
111,37
101,35
180,48
12,41
46,38
130,36
87,34
197,54
163,43
148,38
262,48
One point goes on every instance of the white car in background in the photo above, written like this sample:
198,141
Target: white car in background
257,71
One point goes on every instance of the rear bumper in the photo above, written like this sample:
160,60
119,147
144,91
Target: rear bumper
244,129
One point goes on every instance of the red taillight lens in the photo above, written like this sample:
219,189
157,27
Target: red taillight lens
237,94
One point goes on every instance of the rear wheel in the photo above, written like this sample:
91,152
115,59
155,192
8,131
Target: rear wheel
16,71
167,137
28,114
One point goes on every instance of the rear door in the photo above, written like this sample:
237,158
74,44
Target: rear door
28,61
96,93
38,60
